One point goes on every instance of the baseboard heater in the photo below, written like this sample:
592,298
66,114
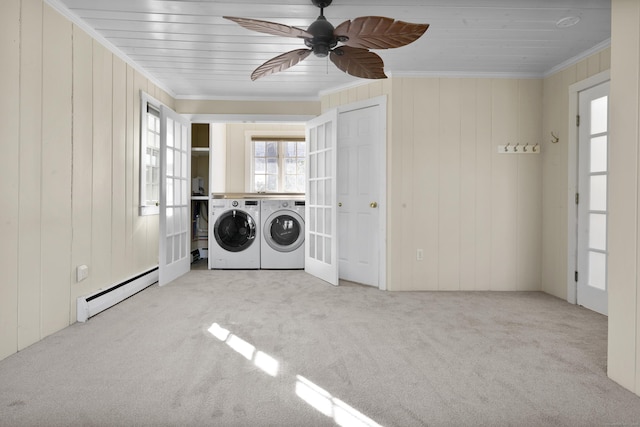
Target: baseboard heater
90,305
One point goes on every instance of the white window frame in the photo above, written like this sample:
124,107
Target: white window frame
250,136
145,101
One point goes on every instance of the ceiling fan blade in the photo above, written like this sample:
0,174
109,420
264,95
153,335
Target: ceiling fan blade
270,27
378,32
358,62
280,63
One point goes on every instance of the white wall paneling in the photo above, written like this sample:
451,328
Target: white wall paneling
70,141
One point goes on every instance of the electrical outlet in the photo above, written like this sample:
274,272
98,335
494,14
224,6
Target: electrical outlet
419,254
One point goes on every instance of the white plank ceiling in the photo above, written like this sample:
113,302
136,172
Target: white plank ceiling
191,51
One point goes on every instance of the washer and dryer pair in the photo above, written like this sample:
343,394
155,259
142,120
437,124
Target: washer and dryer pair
254,233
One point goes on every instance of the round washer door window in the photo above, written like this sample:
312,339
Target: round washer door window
235,231
284,232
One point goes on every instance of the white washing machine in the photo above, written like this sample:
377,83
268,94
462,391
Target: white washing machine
234,239
282,245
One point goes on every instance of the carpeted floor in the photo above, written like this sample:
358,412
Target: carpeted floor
258,348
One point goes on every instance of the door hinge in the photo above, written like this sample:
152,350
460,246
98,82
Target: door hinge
577,198
575,276
578,120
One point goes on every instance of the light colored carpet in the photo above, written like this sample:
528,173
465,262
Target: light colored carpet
286,349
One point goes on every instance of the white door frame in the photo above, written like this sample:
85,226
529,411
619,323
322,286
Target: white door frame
572,188
380,103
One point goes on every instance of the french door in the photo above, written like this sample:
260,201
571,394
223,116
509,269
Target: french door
593,143
175,149
321,258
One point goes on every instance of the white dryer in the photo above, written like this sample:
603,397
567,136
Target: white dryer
282,245
234,238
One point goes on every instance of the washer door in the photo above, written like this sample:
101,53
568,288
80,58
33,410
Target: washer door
235,230
284,231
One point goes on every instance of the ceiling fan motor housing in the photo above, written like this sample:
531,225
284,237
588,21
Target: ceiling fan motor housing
323,39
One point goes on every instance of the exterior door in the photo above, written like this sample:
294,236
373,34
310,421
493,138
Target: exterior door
359,203
593,142
321,258
175,149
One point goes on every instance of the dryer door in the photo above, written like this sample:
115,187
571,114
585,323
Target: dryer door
284,231
235,230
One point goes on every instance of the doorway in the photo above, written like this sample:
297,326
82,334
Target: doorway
350,212
590,100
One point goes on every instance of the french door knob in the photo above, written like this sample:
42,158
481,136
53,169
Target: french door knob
373,205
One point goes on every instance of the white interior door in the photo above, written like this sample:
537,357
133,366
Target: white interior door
360,140
321,258
175,149
593,141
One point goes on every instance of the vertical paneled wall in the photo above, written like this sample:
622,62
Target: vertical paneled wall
555,161
69,171
475,213
9,173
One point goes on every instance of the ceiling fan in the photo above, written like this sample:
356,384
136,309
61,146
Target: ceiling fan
347,45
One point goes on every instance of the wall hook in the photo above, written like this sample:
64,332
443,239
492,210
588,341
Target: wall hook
515,149
525,147
535,147
554,139
506,147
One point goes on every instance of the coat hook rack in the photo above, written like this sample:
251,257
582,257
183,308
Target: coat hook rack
554,138
518,148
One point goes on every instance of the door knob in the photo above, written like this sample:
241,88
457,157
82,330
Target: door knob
340,204
373,205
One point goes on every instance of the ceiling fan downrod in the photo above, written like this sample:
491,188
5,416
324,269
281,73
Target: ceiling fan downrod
322,30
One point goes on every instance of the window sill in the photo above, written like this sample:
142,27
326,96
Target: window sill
149,210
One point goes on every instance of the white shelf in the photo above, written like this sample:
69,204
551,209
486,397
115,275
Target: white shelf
199,151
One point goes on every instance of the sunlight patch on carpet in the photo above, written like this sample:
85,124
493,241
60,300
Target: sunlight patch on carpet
262,360
332,407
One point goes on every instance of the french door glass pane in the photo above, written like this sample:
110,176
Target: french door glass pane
170,162
170,192
170,127
169,254
598,270
599,154
598,231
169,221
599,115
598,193
311,222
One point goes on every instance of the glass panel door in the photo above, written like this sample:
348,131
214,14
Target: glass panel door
592,199
320,233
175,148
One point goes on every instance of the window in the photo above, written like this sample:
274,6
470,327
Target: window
277,165
149,155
